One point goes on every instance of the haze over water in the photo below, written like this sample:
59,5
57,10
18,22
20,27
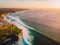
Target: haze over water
46,17
45,21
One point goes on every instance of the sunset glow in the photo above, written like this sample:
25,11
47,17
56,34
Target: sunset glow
33,4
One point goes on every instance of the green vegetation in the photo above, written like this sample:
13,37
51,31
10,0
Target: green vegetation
8,30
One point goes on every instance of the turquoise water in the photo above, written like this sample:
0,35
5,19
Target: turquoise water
39,34
38,38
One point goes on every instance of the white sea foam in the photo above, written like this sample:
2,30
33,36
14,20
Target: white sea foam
46,22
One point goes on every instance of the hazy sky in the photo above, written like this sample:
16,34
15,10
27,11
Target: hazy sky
30,3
